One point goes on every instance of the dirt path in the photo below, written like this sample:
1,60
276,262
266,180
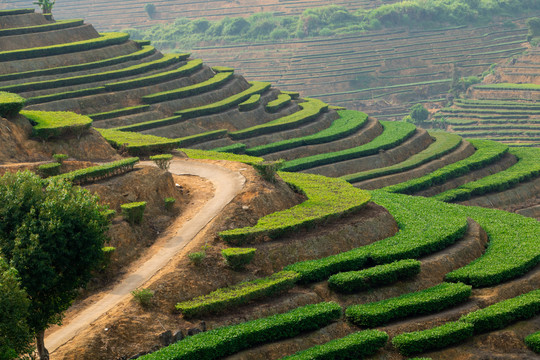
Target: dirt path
227,184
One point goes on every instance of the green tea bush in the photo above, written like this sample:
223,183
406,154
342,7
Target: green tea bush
93,173
217,155
487,152
238,258
279,103
197,257
348,282
119,112
10,104
348,123
353,346
394,134
169,203
236,148
220,342
143,296
57,25
426,301
133,212
327,199
56,123
225,298
432,339
267,169
60,158
251,103
533,342
509,86
49,169
162,161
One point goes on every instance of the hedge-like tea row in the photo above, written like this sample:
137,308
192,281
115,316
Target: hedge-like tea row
328,198
10,104
220,342
432,339
509,86
488,104
211,84
310,111
93,173
152,124
431,300
56,123
60,24
353,346
293,94
119,112
279,103
236,148
352,281
486,153
394,134
251,103
348,123
217,155
15,12
425,226
490,111
533,342
444,143
238,258
65,95
106,39
218,69
493,317
238,294
141,68
184,70
142,144
257,87
527,167
144,52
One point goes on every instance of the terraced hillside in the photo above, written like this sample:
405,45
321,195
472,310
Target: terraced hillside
504,107
122,14
313,260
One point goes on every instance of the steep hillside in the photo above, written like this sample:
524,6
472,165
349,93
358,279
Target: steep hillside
392,262
504,107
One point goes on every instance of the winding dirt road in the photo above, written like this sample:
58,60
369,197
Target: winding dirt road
227,184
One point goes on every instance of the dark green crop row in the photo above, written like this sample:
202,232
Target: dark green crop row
353,346
494,134
348,123
493,317
216,155
119,112
184,70
60,24
224,298
220,342
144,52
281,101
425,227
488,120
486,153
219,69
422,302
15,12
497,127
141,68
10,104
147,125
56,123
510,115
93,173
211,84
487,104
527,167
106,39
533,342
142,144
251,103
310,111
509,86
394,134
352,281
444,143
328,198
490,111
293,94
236,148
65,95
257,87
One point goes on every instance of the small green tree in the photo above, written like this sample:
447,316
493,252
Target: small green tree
45,5
15,336
150,10
534,30
52,233
418,113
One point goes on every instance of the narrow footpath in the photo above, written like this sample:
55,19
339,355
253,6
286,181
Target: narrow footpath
227,184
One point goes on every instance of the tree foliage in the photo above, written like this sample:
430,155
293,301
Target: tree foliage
418,114
15,336
52,233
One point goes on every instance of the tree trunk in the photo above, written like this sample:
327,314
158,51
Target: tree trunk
40,344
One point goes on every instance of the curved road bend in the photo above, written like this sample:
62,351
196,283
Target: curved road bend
227,184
